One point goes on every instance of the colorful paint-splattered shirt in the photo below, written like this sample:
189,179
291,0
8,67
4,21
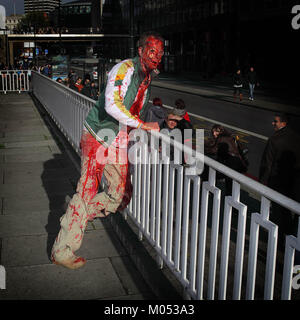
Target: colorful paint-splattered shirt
124,98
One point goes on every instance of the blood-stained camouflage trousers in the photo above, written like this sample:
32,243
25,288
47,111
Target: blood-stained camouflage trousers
87,203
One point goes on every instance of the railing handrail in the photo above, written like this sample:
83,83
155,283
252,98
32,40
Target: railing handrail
241,178
64,86
14,80
15,70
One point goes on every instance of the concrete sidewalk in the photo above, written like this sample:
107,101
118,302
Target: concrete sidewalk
36,175
224,92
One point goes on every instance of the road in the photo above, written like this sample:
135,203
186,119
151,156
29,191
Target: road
252,125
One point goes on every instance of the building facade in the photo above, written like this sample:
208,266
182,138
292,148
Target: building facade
12,21
217,36
40,5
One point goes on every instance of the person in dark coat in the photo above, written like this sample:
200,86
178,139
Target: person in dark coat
280,163
238,85
252,80
72,86
94,91
185,123
86,90
280,170
224,148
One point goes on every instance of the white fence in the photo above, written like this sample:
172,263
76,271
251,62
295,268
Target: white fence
212,243
14,80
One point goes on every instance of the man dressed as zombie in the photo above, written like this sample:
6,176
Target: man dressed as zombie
104,148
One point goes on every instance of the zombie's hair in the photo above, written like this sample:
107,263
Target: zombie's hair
144,36
157,102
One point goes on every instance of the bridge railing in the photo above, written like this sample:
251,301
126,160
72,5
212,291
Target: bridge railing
218,246
66,107
14,80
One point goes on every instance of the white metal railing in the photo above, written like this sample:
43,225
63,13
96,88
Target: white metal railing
67,108
14,80
181,215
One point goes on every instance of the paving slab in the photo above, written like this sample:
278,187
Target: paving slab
24,158
32,151
31,121
33,223
29,144
13,177
50,282
23,138
44,188
36,167
20,206
27,132
33,249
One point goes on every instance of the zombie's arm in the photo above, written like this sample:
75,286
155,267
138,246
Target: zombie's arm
118,82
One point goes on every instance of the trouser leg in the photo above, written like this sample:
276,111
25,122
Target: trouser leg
87,203
251,89
74,221
117,191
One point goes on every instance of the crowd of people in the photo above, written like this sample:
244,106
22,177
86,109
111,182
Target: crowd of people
85,85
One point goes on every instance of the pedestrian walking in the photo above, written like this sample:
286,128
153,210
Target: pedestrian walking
238,85
252,80
117,109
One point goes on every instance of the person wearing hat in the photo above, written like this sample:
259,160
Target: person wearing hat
173,117
180,105
183,124
170,123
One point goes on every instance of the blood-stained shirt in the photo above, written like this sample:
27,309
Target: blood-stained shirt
125,96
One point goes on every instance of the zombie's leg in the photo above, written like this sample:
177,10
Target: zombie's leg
117,190
74,221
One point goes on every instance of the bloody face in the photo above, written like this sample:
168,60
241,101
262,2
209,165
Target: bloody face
152,53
